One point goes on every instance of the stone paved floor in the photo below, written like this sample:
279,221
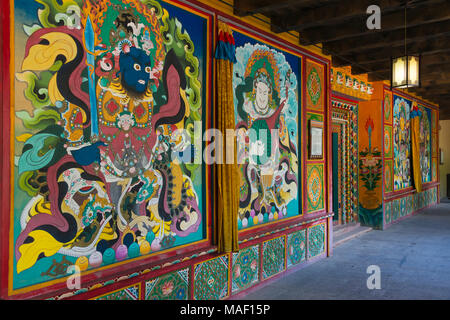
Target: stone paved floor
413,256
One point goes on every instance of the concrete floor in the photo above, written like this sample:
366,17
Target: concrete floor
413,256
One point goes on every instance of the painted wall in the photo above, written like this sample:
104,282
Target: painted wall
400,198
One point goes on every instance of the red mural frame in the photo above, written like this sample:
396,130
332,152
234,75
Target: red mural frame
190,254
397,194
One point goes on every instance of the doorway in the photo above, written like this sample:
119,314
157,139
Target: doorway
345,161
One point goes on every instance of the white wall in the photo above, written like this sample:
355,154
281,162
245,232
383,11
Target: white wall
444,145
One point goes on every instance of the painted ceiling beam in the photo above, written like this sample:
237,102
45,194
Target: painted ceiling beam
424,12
378,40
329,14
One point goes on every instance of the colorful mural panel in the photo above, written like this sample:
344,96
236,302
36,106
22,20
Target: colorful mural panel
102,89
387,141
402,143
172,286
315,86
266,97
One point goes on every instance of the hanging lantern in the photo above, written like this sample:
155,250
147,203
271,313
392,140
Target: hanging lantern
406,72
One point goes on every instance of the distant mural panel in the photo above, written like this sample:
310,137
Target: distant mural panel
401,142
296,248
387,105
266,83
245,268
425,138
211,279
388,181
102,87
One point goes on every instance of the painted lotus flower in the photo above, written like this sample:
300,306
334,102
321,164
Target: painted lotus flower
370,162
237,271
167,288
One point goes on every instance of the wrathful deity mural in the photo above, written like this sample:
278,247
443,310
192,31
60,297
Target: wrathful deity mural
402,143
265,82
103,91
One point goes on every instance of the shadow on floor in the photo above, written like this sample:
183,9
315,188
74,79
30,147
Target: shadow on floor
413,257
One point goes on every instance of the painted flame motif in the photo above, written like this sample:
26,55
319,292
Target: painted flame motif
369,124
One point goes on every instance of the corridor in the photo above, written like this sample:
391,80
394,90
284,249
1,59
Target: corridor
413,256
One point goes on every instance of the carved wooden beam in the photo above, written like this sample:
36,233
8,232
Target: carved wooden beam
423,13
428,62
378,40
248,7
427,73
438,45
331,14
